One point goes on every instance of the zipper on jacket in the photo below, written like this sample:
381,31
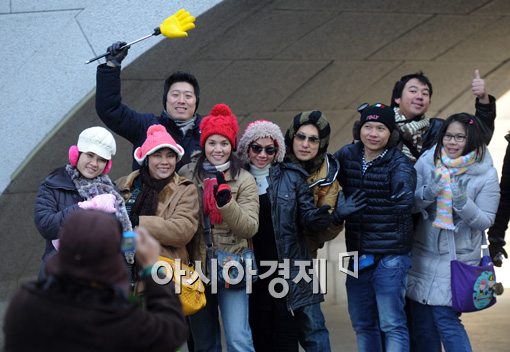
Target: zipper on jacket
272,201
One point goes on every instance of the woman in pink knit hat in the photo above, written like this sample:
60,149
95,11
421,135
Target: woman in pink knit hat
157,198
230,210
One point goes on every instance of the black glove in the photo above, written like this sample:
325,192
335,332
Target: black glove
115,54
135,220
345,207
399,193
497,252
222,192
321,219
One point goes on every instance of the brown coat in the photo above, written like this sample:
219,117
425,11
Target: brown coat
240,215
176,218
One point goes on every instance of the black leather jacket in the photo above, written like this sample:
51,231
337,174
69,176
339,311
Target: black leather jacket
291,208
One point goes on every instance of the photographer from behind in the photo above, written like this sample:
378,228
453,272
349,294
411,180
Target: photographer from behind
82,304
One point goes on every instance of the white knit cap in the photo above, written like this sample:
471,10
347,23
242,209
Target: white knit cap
97,140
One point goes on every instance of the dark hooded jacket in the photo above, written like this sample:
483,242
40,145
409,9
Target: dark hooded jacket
133,125
82,305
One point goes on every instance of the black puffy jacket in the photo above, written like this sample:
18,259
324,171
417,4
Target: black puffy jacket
383,226
133,125
291,208
57,197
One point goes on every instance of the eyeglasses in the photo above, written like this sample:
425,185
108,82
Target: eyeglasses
303,137
257,149
458,137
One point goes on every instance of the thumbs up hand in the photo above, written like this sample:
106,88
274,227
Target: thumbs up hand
478,88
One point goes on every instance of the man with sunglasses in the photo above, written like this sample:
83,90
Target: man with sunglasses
307,141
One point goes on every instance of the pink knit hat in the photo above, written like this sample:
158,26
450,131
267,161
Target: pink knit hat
157,138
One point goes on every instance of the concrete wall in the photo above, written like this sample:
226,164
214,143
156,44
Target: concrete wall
44,45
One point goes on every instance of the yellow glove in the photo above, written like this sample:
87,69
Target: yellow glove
177,25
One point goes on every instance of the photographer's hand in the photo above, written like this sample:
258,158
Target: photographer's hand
147,248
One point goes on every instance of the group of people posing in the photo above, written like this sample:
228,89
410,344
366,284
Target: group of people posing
399,189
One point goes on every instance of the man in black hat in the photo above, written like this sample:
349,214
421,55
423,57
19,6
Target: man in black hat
381,233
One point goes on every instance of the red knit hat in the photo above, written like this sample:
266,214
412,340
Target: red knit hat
157,138
220,121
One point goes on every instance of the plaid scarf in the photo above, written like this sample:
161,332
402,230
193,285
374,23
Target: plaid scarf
449,168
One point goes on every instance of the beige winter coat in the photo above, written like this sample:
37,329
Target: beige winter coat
240,215
176,219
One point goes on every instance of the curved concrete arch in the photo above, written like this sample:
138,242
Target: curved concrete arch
267,59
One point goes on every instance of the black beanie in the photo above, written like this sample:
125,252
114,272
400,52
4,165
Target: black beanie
378,113
180,76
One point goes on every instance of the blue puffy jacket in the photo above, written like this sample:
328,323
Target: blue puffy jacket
383,226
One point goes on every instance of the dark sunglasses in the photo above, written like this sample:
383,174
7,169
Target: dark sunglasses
312,139
257,149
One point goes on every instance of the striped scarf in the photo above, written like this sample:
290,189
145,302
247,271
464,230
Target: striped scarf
413,129
449,168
